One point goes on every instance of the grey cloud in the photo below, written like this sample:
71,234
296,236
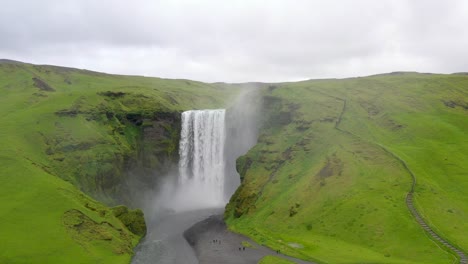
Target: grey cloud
238,40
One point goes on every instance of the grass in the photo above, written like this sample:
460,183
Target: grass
247,244
330,192
34,221
274,260
323,183
69,137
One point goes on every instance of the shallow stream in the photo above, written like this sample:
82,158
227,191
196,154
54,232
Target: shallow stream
164,242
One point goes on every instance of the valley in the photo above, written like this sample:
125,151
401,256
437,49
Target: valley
368,169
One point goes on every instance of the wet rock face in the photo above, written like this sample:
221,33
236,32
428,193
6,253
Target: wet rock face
42,85
161,125
137,151
456,103
155,155
135,119
112,94
332,167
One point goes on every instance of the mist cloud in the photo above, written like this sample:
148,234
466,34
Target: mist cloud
239,41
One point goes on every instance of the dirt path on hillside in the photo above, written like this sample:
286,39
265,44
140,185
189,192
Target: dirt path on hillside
409,197
434,235
214,243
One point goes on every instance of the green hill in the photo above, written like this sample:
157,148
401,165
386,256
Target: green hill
67,131
328,178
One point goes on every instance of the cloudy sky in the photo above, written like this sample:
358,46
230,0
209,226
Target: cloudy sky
238,41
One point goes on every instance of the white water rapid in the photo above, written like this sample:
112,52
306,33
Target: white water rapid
202,162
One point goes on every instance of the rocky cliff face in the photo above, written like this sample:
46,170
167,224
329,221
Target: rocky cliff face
126,163
121,172
154,156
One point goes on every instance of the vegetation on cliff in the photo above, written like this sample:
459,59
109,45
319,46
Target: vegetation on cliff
328,178
69,133
326,181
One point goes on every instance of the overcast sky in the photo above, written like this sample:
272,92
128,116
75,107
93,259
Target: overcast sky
238,41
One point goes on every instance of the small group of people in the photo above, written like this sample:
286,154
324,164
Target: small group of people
216,241
241,248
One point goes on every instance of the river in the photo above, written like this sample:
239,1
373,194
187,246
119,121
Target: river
164,242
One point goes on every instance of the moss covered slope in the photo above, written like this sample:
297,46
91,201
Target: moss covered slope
327,180
66,134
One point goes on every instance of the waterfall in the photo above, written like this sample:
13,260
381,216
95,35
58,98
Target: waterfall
202,162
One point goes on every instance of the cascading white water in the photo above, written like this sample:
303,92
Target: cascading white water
197,194
202,163
210,142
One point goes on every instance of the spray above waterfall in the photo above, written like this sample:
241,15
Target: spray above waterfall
210,142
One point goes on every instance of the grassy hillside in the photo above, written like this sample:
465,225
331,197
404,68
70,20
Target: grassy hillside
274,260
64,131
328,178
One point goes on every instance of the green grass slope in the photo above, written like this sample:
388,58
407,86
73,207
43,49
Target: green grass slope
274,260
66,130
326,180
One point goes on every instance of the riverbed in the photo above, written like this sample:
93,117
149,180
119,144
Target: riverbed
199,236
165,243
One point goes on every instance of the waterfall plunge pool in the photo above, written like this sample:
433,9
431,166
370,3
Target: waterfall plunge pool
165,243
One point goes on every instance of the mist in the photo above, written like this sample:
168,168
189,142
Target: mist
202,180
242,124
176,191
